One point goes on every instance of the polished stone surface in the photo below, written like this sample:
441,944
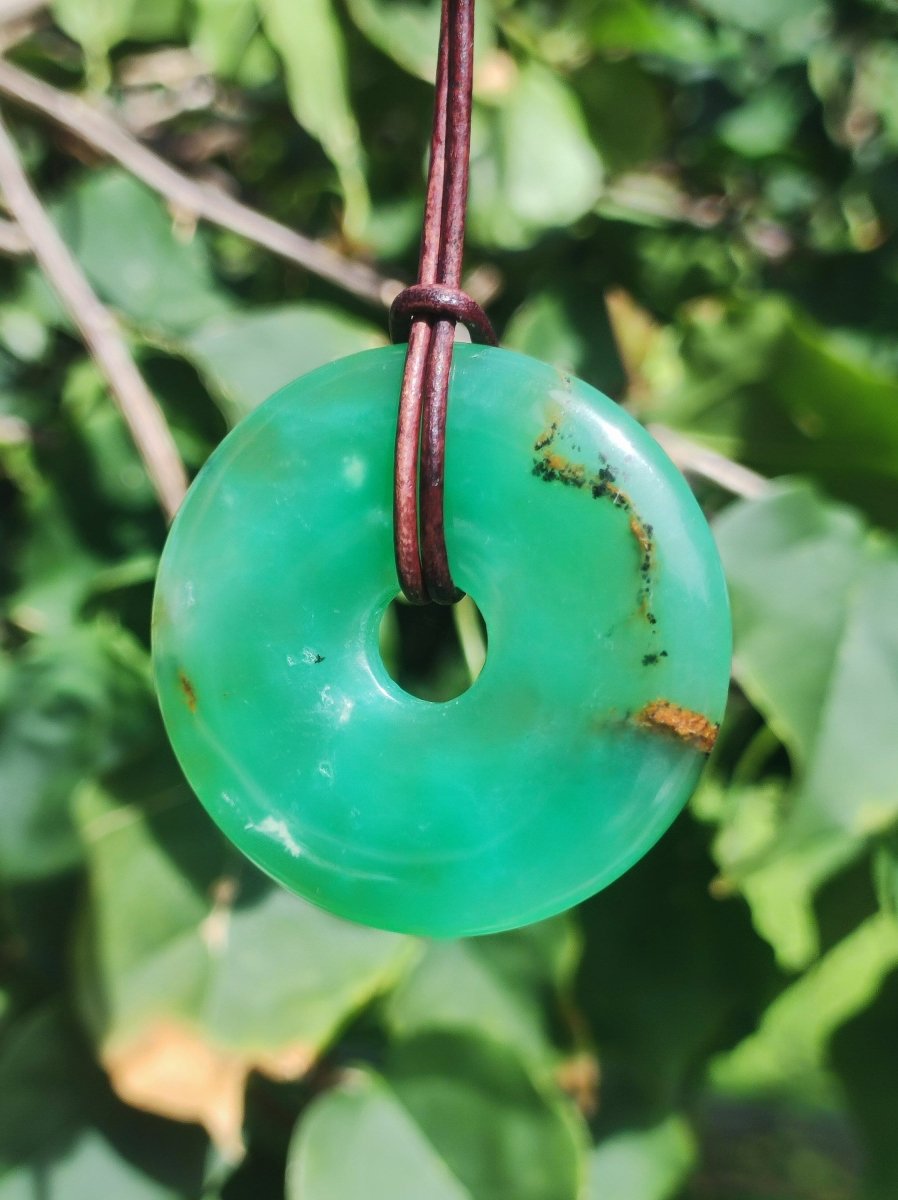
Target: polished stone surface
608,664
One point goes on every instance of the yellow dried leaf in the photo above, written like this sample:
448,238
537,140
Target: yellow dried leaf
169,1069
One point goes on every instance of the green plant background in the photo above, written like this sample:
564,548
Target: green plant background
691,205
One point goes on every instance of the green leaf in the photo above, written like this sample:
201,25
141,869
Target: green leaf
862,1054
644,1164
106,450
227,36
223,974
408,31
628,135
885,873
780,887
161,21
360,1141
877,86
781,890
763,16
499,985
311,44
454,1119
53,568
672,974
765,124
23,333
645,28
63,1135
125,241
223,31
761,383
533,165
809,587
569,328
78,704
788,1051
247,357
96,24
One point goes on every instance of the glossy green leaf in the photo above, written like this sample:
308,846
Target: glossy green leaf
360,1140
789,1048
106,450
644,1164
672,974
22,333
761,383
885,874
630,135
63,1135
126,242
780,888
764,15
861,1054
649,28
569,328
246,358
501,985
77,704
408,31
310,42
454,1118
877,86
53,565
222,32
164,20
533,164
809,587
224,983
764,124
232,971
97,24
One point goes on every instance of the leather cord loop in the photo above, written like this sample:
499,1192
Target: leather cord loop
432,300
426,314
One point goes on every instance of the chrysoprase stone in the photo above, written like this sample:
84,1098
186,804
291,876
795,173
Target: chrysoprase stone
607,670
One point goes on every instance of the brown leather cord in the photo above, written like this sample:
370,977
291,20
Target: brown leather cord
433,300
427,314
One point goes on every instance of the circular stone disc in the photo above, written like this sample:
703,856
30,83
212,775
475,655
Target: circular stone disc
607,671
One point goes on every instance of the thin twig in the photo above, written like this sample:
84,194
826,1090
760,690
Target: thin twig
13,242
13,33
106,135
652,195
99,329
695,459
17,10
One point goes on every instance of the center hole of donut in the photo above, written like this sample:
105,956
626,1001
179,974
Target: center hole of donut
433,651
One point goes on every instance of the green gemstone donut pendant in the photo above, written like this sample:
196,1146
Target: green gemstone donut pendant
607,672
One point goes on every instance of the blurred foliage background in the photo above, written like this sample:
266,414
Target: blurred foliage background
691,205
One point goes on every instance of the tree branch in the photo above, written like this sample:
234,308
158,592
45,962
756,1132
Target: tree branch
99,329
695,459
18,10
106,135
13,242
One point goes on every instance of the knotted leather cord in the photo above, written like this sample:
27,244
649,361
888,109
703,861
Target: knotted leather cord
426,314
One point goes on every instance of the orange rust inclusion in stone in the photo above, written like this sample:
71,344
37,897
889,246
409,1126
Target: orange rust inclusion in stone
565,470
189,691
640,533
691,727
